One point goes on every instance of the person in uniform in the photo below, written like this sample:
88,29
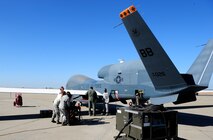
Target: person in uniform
64,108
92,97
137,98
106,102
69,107
56,112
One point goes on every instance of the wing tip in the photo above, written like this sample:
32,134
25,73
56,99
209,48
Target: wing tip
128,11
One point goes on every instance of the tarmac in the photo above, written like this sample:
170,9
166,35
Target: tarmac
195,120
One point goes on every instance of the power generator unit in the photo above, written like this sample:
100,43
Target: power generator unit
143,124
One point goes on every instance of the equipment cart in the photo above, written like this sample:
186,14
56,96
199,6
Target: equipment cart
140,124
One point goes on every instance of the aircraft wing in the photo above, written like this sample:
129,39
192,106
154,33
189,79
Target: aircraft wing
28,90
81,92
44,91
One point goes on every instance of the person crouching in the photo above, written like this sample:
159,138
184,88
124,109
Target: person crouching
64,108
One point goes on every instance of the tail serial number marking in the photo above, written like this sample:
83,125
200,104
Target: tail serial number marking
158,74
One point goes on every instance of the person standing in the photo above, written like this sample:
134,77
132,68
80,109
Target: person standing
92,97
137,98
56,112
106,101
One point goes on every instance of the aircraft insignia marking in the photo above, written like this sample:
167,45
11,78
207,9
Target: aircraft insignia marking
118,79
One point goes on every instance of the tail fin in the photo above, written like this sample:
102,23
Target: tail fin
202,67
160,68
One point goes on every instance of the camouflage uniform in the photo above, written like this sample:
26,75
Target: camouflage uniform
92,97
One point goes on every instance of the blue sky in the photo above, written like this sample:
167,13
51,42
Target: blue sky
44,42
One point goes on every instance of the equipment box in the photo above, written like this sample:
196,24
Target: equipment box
143,125
46,113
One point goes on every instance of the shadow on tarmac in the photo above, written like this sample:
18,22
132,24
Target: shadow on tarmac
93,121
194,119
112,108
28,106
19,117
189,107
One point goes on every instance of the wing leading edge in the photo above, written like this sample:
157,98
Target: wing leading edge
42,91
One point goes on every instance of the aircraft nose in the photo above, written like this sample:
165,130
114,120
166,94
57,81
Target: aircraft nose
103,72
